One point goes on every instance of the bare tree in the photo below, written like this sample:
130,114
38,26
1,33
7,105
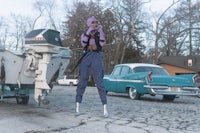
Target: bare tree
171,41
190,23
50,9
20,25
159,30
174,31
129,25
38,5
3,32
46,9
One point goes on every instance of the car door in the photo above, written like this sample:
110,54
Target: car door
122,80
112,82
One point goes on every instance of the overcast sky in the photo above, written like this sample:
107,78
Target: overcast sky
24,7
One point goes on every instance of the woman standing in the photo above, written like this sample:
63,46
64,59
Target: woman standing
92,41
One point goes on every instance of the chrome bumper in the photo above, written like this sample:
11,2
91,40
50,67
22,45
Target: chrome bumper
166,90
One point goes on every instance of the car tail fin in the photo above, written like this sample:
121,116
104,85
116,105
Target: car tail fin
149,76
195,78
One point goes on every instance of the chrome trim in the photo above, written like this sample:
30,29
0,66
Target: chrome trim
190,88
156,87
166,90
123,80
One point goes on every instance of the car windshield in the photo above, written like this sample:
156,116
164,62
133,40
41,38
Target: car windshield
154,70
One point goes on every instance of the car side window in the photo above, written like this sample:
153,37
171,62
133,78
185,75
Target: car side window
154,70
116,71
139,69
125,70
159,71
142,69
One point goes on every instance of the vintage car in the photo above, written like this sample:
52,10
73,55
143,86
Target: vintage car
137,79
66,81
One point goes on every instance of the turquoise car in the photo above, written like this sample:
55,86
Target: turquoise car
137,79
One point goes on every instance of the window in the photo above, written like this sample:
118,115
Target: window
116,71
125,70
154,70
158,71
189,62
139,69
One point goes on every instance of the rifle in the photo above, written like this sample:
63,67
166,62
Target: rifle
78,62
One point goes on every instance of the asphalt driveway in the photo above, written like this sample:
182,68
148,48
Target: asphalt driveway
148,115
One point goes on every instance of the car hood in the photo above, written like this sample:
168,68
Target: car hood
172,80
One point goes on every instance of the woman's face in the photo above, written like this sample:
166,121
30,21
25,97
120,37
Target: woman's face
94,24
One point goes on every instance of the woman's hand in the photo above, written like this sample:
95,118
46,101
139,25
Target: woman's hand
99,27
89,30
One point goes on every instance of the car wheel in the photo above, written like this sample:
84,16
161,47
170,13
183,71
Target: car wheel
169,97
22,99
133,94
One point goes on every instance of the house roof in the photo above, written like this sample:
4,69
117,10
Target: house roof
191,62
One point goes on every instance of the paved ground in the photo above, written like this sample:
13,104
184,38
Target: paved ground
148,115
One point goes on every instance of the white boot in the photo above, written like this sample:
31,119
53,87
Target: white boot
77,109
105,111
